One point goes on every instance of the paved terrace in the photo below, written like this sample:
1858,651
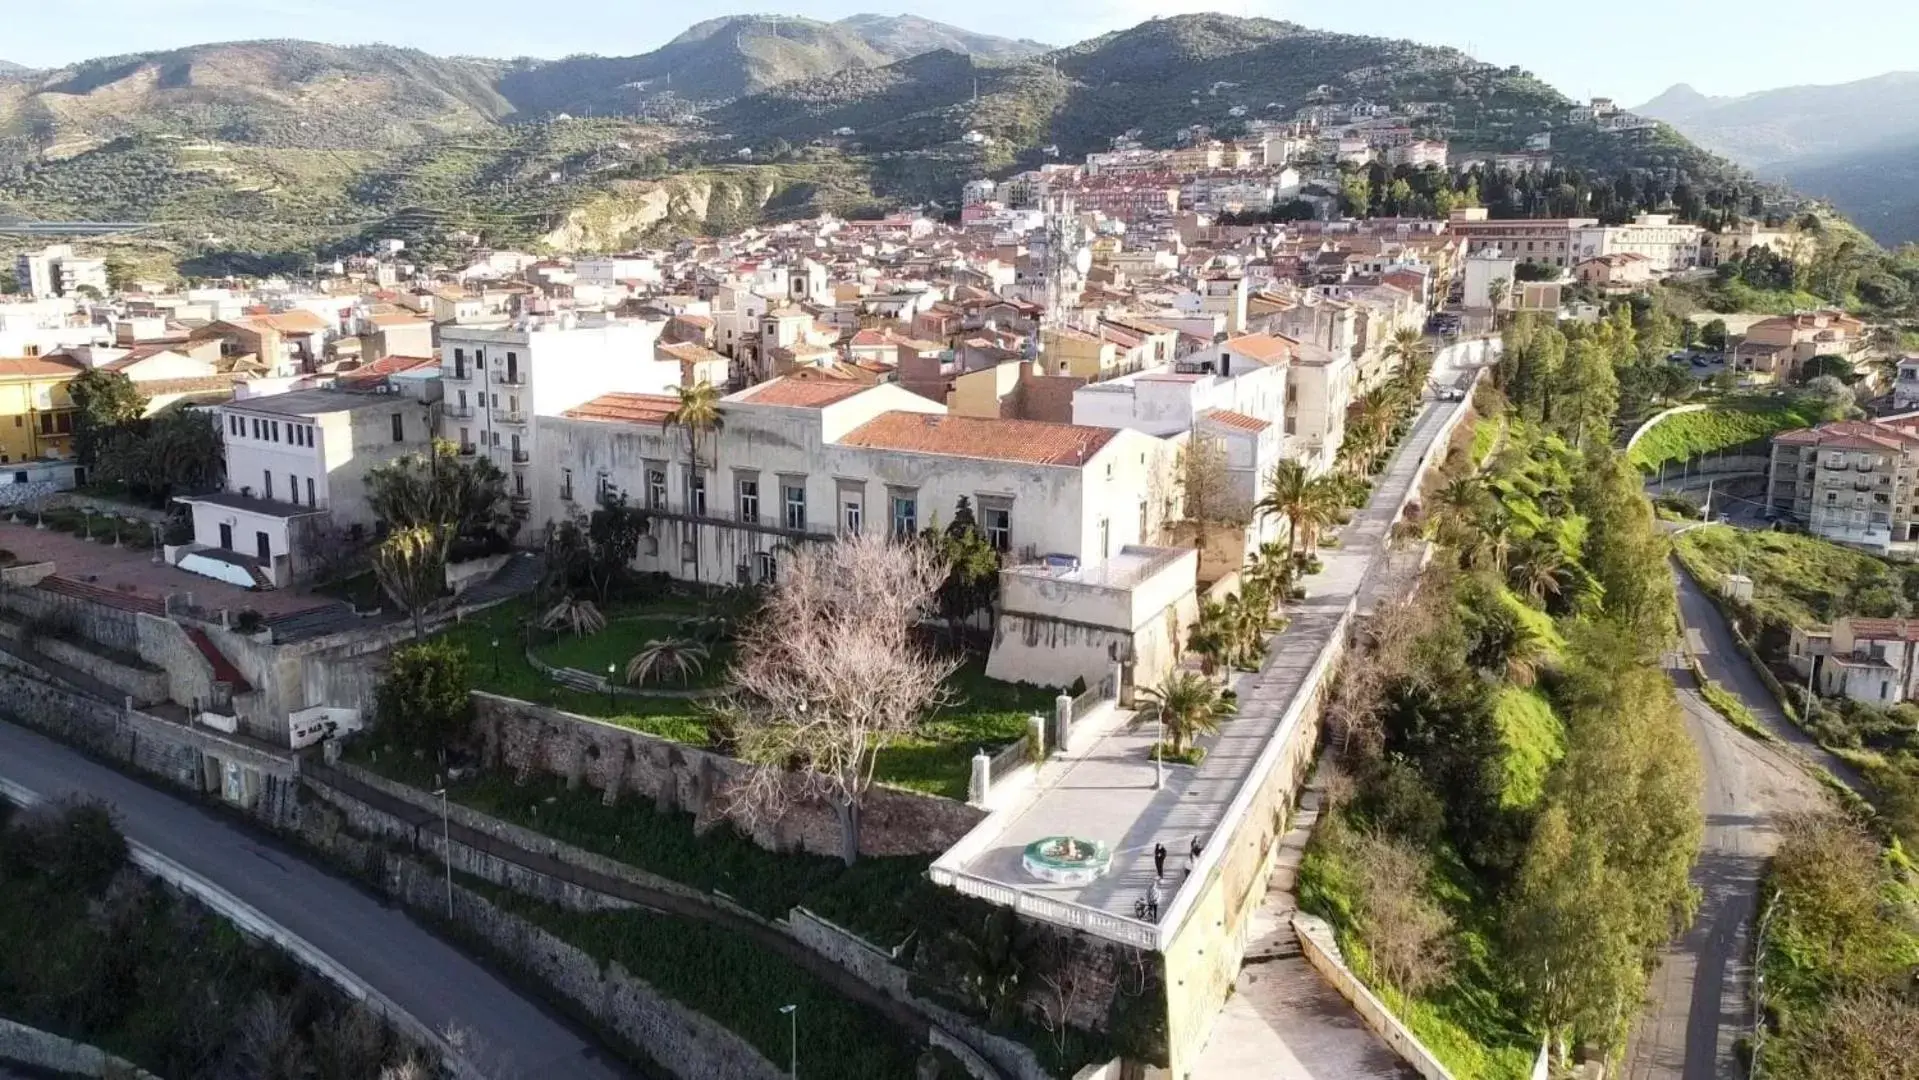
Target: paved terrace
1107,792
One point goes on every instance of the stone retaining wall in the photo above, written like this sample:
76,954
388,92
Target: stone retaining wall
689,1044
1321,950
144,684
22,1045
532,739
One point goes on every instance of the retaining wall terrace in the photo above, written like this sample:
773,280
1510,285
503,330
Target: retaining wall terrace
532,740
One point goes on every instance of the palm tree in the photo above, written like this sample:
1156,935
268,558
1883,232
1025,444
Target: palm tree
1359,449
698,414
1408,346
1308,503
1496,292
571,613
1491,545
1210,638
1187,704
1541,569
678,658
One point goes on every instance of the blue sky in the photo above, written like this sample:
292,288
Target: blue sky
1628,49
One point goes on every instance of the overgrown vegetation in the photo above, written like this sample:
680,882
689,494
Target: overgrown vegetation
1518,807
1724,425
99,953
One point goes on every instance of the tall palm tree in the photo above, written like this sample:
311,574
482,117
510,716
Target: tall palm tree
1408,346
1187,704
697,414
1496,292
1308,503
1210,638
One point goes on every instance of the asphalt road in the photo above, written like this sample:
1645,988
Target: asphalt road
506,1033
1697,1003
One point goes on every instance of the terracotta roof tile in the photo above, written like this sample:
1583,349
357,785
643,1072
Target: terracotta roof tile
798,393
55,366
1264,348
1882,629
1238,421
627,409
1027,441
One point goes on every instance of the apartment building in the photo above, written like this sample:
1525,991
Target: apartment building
296,466
1543,241
1774,348
800,461
1735,242
1852,482
1666,245
56,271
497,380
1905,384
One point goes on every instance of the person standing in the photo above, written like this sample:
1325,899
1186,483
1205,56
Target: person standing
1152,902
1159,862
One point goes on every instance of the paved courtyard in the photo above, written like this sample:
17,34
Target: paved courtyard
133,573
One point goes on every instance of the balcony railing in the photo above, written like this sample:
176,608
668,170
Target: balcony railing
468,450
521,457
509,416
459,412
509,378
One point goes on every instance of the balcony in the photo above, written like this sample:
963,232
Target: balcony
521,457
504,377
459,412
520,498
509,416
461,374
761,523
468,450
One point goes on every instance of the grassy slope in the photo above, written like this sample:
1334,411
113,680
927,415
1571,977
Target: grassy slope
1797,580
1727,424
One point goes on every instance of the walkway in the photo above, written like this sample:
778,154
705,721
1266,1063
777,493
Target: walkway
1697,1003
137,579
389,951
1283,1022
1108,793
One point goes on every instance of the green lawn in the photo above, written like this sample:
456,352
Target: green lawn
735,982
1726,424
983,713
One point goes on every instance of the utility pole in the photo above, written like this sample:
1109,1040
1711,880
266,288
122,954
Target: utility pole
1709,483
793,1062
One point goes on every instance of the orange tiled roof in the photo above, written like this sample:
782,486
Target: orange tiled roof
1238,421
56,366
799,393
1265,348
627,409
387,365
1027,441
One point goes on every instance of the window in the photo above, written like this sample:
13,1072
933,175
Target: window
273,431
851,512
269,487
606,489
1145,534
794,498
999,527
769,567
1105,539
311,501
293,488
462,401
459,368
749,507
697,494
399,427
906,516
656,489
566,482
256,427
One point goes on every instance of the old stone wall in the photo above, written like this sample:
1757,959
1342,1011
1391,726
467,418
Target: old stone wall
164,644
109,626
688,1043
533,739
22,1045
145,684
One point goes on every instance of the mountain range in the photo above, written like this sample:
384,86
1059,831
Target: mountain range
294,146
1855,143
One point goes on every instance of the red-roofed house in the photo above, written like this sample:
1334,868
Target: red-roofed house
1871,660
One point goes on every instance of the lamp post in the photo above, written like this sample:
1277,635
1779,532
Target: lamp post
609,687
1159,750
446,839
496,658
793,1062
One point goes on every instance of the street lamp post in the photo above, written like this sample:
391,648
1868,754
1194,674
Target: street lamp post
1159,750
793,1063
446,840
496,658
609,687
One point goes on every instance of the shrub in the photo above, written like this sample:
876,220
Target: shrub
423,699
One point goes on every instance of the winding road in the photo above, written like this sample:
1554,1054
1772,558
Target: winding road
1697,1003
505,1033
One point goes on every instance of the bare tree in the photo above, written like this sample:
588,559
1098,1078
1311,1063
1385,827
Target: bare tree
1404,929
832,670
1062,974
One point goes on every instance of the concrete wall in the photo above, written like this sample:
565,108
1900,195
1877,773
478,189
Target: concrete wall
22,1045
165,644
1317,943
144,685
109,626
685,1042
531,739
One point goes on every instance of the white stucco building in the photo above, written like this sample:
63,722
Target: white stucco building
296,467
801,460
498,379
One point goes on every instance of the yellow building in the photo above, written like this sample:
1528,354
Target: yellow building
1066,351
36,415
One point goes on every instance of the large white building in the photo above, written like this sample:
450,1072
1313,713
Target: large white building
296,466
497,380
1667,245
801,460
56,271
